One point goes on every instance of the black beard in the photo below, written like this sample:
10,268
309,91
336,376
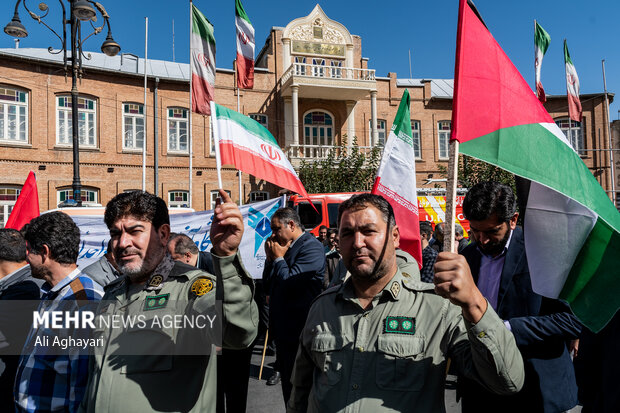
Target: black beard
495,248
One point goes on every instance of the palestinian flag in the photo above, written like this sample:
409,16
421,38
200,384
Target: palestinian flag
541,44
572,87
395,180
249,147
572,229
245,48
202,61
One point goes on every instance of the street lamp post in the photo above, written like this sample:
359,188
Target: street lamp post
79,11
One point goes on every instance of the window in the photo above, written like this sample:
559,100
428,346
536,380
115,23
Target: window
13,119
318,69
133,126
178,199
258,196
336,69
300,69
444,128
8,196
415,130
214,196
574,132
89,196
87,109
177,130
260,118
318,134
380,132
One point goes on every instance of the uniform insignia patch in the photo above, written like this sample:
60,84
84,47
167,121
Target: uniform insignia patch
399,325
395,288
201,286
406,275
156,301
155,281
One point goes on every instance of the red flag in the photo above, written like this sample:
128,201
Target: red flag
27,205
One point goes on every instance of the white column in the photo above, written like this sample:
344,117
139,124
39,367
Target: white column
373,117
295,90
288,121
286,54
348,61
350,123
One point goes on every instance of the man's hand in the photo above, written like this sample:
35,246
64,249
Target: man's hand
453,281
227,226
274,250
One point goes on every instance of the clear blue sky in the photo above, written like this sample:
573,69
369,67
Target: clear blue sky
389,29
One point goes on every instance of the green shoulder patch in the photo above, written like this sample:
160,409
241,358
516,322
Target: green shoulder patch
156,301
399,325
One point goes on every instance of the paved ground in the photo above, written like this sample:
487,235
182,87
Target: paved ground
268,399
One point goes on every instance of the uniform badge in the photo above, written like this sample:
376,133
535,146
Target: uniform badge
399,325
395,288
406,275
155,281
201,286
156,301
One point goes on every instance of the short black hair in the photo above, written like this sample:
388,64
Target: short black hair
58,231
183,244
322,227
139,204
426,228
288,214
363,201
12,245
487,198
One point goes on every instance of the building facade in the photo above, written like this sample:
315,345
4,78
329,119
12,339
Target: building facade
313,88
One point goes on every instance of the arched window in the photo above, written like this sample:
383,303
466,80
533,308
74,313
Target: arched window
444,127
13,115
87,121
318,134
8,196
574,132
90,195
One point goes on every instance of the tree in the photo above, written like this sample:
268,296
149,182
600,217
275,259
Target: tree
341,170
473,171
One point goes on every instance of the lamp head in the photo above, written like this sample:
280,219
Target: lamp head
83,10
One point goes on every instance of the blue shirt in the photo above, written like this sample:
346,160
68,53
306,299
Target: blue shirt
48,378
490,274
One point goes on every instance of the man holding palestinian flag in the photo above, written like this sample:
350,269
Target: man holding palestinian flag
570,247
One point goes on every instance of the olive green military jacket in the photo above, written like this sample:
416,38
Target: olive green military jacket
145,369
392,357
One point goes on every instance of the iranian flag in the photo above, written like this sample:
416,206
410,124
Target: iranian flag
250,147
245,48
572,87
395,180
541,44
572,230
202,61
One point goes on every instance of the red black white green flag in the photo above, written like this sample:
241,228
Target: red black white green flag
245,48
572,229
202,62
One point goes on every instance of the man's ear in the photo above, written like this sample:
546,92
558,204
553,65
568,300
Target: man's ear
513,221
45,253
187,257
396,236
164,234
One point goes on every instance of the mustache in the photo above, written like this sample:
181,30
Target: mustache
126,251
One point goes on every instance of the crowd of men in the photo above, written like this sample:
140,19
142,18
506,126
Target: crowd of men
356,323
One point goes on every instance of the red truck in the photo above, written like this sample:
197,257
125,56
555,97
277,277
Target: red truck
431,208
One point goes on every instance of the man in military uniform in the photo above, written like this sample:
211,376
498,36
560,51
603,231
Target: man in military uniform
381,340
156,367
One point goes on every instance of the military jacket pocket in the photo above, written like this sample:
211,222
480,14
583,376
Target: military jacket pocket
400,362
328,353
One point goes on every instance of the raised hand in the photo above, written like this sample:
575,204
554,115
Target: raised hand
227,226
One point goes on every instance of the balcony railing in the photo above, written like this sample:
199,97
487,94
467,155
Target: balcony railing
297,153
331,72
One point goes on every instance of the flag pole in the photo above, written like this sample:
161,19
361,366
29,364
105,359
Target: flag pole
216,140
449,230
238,110
611,150
146,43
189,130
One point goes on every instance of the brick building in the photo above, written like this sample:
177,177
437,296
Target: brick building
313,87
